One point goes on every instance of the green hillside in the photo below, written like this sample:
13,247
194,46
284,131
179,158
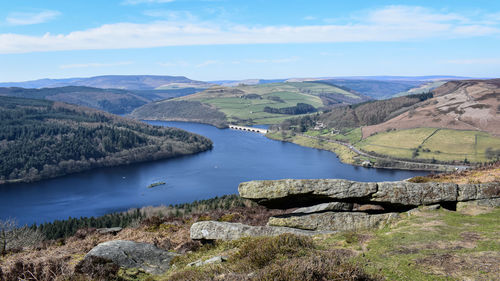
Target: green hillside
431,143
246,104
43,139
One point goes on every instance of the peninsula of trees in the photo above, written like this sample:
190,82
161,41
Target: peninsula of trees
44,139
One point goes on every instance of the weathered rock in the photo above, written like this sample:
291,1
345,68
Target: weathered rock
332,206
333,221
495,202
215,259
214,230
300,193
415,194
468,192
130,254
339,207
110,230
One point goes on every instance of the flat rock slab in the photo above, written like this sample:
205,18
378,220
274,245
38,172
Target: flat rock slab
129,254
110,230
215,230
333,221
339,207
283,194
289,193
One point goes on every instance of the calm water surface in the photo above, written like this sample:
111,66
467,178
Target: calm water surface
237,156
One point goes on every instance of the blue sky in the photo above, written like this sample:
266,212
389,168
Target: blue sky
217,39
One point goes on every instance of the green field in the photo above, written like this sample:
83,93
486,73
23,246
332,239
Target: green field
432,143
239,109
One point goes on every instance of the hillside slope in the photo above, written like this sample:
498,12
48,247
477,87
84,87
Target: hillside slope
461,105
111,100
257,104
377,89
43,139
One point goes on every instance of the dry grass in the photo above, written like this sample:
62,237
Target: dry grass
168,233
485,174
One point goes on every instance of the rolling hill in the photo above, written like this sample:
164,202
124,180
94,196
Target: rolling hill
251,104
128,82
44,139
461,105
457,123
111,100
377,89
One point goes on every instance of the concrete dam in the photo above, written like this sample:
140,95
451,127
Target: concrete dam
249,129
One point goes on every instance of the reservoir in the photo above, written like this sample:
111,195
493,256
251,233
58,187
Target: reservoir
237,156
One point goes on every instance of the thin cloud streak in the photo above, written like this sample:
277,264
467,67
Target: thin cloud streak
482,61
19,18
94,64
391,24
136,2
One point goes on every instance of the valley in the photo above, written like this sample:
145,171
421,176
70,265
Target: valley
455,124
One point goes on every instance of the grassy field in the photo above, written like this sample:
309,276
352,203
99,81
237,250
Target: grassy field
426,245
432,143
352,136
238,108
345,154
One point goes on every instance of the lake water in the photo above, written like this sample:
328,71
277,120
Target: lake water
237,156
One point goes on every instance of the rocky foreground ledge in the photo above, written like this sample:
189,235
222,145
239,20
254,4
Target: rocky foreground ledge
282,194
330,205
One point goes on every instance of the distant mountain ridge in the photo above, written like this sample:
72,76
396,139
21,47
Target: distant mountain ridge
128,82
115,101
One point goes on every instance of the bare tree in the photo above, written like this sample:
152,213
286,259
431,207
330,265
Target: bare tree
14,237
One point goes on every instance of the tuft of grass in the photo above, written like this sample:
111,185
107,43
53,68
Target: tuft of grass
260,252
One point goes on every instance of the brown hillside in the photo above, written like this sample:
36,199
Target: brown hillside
462,105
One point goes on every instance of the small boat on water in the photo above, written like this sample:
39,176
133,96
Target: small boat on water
156,184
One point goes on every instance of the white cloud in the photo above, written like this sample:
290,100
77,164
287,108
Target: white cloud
393,23
174,64
207,63
94,64
178,16
482,61
135,2
19,18
309,18
274,61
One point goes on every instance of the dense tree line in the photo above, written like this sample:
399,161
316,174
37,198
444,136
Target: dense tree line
300,108
193,111
65,228
363,114
42,139
116,101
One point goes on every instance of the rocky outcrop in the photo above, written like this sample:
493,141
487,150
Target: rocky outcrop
334,221
215,230
495,202
110,230
331,205
289,193
283,194
339,206
130,254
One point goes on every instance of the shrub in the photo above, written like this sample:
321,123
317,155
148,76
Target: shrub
419,179
326,266
41,271
98,268
260,252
